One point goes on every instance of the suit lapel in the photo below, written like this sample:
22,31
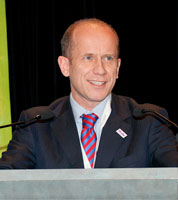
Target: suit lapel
111,141
66,135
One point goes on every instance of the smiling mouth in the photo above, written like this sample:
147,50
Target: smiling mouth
97,82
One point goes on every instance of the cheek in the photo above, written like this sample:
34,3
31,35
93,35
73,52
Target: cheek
80,70
114,74
76,74
117,74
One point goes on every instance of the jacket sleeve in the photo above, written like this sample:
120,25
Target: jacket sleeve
162,143
20,152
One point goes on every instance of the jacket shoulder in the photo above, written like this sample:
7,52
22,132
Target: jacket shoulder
124,102
55,107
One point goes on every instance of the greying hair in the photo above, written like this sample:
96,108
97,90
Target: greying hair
66,41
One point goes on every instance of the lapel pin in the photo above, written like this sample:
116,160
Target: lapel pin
121,133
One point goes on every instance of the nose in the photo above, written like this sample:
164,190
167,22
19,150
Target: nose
99,67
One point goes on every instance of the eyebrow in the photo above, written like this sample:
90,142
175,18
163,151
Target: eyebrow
107,54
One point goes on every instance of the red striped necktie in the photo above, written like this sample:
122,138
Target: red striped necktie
88,136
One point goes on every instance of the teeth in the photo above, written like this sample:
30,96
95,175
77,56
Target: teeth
97,82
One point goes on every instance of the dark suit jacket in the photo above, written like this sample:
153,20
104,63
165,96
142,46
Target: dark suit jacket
55,143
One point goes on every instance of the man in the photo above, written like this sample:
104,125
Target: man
91,128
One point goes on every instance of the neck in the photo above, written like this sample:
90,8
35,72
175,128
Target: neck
86,104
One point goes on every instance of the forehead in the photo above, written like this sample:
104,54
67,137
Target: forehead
94,34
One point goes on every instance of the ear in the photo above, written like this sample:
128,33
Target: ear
118,67
64,65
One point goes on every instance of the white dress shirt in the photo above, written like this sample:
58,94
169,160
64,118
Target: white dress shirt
102,110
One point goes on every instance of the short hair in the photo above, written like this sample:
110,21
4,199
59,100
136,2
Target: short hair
66,41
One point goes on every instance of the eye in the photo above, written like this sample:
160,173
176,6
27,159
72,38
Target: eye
88,58
108,58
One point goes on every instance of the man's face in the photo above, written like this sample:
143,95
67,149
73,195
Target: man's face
94,66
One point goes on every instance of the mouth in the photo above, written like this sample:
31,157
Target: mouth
98,83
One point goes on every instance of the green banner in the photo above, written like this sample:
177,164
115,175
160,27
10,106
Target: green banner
5,112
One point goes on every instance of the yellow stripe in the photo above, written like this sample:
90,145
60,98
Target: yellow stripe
5,113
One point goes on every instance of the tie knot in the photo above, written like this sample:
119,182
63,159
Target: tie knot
89,120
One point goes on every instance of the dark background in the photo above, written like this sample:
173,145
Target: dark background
148,34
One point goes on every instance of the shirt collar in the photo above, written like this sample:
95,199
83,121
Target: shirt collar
79,110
